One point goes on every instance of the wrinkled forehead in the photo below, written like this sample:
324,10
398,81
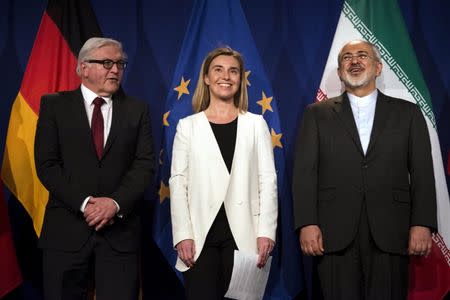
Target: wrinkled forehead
107,51
356,47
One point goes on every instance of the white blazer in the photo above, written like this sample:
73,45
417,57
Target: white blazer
200,183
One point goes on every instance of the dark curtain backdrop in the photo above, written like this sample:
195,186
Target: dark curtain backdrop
293,39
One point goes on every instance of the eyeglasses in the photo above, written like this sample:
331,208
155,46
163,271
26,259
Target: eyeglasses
108,63
359,56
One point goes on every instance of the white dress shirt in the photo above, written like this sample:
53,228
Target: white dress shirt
89,97
363,109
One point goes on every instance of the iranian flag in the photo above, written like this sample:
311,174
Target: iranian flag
381,23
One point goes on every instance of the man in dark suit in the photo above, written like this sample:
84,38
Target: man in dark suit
363,186
93,152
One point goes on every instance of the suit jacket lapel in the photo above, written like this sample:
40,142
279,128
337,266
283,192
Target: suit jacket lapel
81,120
118,114
241,139
344,112
379,121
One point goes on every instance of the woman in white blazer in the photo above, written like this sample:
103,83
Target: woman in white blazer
223,185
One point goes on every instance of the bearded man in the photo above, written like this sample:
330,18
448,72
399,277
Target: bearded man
363,185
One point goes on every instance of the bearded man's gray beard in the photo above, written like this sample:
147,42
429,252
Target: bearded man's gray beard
355,83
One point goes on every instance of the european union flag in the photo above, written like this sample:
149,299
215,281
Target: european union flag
216,23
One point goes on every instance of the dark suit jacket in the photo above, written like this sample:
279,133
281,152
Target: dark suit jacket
68,167
332,176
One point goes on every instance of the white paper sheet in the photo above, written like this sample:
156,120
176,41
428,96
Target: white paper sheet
248,282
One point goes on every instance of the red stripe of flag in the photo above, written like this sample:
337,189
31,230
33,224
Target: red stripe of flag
430,276
51,66
448,163
10,276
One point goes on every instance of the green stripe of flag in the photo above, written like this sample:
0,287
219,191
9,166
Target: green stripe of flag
381,23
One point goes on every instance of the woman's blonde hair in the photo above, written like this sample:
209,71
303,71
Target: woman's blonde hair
201,98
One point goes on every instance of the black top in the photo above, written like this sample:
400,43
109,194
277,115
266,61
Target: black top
226,138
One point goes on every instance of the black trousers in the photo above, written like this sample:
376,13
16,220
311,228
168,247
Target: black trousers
362,271
67,274
210,277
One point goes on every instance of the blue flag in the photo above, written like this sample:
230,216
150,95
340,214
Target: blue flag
218,23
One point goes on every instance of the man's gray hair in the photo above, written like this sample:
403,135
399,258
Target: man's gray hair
96,43
375,50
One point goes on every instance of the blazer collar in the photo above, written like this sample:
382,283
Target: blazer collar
213,149
213,146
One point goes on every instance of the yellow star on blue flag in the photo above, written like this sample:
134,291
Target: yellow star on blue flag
276,139
182,88
265,103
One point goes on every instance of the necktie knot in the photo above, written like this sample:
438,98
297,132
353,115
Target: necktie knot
98,101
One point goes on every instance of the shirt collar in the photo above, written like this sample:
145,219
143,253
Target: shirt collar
89,96
363,101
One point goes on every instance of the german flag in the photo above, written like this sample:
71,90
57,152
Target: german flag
65,26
